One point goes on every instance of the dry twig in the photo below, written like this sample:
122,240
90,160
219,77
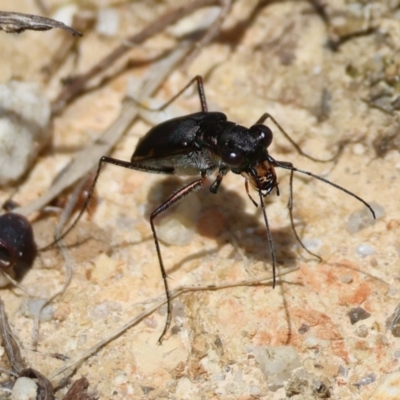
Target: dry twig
12,22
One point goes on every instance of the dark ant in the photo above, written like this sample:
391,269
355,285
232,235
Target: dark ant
202,143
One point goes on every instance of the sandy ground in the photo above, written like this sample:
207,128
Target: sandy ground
275,59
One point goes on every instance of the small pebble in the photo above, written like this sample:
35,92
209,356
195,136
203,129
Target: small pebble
364,250
24,128
359,220
361,331
66,14
30,309
367,380
346,278
312,243
311,342
304,328
358,314
178,228
108,22
276,363
105,309
24,389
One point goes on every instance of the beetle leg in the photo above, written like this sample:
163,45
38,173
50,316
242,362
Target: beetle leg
119,163
200,89
175,198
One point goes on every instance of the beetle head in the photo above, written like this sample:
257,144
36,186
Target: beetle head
241,148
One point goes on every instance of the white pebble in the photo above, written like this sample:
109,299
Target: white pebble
311,342
24,389
105,309
178,228
107,22
364,250
276,363
66,14
359,220
24,128
30,308
312,243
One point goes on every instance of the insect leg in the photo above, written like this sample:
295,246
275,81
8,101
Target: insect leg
216,184
108,160
269,236
175,198
200,89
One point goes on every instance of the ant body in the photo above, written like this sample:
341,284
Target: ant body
200,144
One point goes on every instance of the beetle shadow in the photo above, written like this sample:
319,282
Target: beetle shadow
243,229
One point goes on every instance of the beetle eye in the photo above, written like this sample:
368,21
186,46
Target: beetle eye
231,156
262,133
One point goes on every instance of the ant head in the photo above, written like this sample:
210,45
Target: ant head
240,147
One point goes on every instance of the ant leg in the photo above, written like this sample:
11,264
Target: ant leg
265,116
175,198
118,163
200,89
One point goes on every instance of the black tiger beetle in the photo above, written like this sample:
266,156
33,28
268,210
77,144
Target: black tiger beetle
203,143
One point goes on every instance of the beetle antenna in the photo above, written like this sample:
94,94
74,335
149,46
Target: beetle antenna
290,207
289,166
